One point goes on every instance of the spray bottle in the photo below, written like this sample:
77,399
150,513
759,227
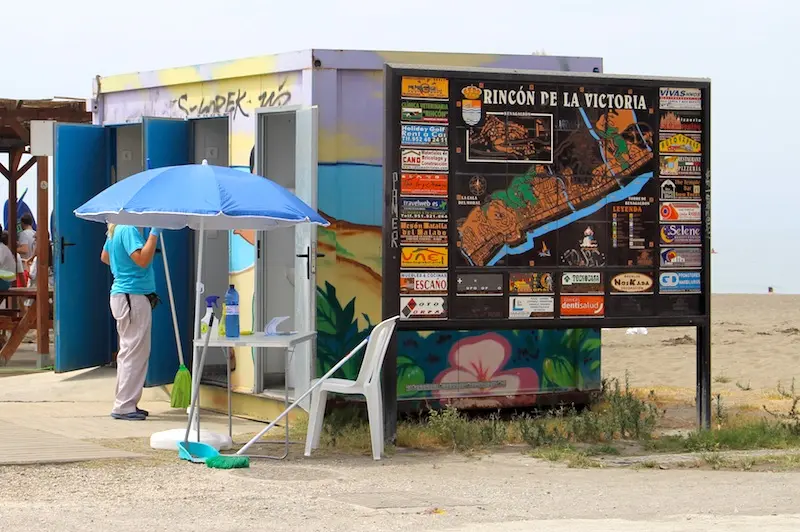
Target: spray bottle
211,302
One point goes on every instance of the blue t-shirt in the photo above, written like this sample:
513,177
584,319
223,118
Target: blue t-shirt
129,277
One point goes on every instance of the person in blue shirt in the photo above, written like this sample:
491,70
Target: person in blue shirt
130,257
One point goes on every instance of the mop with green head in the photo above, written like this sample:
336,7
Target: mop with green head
182,386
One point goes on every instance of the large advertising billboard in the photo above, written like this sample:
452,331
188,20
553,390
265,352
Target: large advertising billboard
546,198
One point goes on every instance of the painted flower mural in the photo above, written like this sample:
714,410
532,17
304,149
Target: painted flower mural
482,359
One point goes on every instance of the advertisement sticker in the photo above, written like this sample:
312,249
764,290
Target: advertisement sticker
582,306
479,284
681,121
677,188
681,234
679,143
423,208
422,232
582,283
681,257
671,211
679,282
419,87
423,184
435,160
680,165
433,112
423,135
423,282
423,257
526,307
420,307
632,283
680,99
530,283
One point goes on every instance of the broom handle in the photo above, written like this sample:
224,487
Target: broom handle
196,383
322,379
172,301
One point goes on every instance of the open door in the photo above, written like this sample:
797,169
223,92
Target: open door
167,143
286,152
305,267
82,282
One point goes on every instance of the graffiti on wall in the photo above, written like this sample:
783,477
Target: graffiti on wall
233,103
236,98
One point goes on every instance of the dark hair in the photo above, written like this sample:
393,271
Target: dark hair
26,219
4,237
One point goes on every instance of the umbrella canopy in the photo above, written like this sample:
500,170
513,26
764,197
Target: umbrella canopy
217,197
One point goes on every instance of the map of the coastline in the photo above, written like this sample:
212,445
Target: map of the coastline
602,159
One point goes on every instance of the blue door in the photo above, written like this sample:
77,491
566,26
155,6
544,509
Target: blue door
80,171
167,143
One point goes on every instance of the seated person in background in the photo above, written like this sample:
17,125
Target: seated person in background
8,263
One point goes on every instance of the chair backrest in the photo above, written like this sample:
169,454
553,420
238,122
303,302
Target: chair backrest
375,351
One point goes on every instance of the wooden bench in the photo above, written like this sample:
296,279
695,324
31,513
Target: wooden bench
18,321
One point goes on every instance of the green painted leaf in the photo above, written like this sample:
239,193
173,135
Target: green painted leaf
591,344
408,374
560,372
594,366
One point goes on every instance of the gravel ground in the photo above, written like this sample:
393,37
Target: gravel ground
505,491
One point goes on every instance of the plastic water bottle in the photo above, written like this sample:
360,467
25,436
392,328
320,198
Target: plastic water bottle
232,313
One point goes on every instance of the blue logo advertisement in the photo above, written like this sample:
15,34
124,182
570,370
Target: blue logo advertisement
423,135
679,282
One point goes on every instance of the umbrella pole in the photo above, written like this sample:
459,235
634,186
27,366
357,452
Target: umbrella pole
199,289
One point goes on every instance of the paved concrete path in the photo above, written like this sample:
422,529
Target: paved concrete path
47,417
21,445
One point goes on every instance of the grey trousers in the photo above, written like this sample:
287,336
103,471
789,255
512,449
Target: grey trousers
134,325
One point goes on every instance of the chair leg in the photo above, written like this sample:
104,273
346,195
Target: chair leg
375,429
316,416
381,424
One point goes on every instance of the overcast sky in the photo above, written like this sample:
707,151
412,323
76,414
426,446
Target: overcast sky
748,48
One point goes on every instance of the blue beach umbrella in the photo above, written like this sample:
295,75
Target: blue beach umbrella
199,196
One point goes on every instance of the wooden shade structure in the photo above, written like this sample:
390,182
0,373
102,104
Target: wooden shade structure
15,119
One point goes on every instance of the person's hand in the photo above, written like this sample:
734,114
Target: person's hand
155,231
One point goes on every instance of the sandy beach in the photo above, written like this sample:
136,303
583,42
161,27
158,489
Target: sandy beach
755,340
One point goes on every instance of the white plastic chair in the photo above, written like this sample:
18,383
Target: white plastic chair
368,384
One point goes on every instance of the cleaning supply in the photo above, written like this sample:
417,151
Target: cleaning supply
232,313
198,452
182,385
211,302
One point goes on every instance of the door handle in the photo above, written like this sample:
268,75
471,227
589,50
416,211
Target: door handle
64,244
306,256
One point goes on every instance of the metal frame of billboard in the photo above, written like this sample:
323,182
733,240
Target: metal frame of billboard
393,74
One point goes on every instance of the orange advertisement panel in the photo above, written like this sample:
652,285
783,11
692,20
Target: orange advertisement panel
423,184
419,87
423,257
582,306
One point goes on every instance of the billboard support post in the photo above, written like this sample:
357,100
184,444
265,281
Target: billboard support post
703,342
